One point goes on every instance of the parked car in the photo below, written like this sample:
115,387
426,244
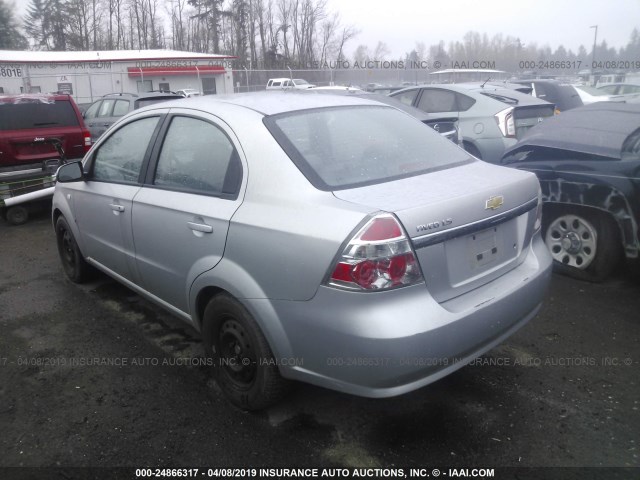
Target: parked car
188,92
287,83
386,90
490,118
300,233
620,88
32,124
103,113
445,126
591,95
587,161
563,95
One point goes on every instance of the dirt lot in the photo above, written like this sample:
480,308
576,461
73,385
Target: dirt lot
563,392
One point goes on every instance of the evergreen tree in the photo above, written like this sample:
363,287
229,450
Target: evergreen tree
10,36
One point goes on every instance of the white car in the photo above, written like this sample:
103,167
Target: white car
591,95
189,92
284,83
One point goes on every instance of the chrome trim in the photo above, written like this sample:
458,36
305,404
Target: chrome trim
438,237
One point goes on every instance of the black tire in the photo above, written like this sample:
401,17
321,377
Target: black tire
17,215
244,366
74,264
585,244
472,149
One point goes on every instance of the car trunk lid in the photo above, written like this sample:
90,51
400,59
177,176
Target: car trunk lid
527,116
468,225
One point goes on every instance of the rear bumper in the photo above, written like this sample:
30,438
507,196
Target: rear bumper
389,343
492,149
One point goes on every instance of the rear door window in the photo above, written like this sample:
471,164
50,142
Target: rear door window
435,100
408,98
464,102
197,157
106,108
121,108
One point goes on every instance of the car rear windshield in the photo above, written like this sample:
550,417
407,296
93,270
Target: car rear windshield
144,102
347,147
36,114
502,98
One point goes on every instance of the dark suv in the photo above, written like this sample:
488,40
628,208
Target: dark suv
563,95
31,125
103,113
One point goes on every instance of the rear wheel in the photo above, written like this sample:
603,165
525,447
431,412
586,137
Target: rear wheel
244,366
74,264
584,244
17,215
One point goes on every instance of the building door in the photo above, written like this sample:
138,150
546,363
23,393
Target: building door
209,86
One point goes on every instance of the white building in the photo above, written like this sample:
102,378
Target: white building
89,75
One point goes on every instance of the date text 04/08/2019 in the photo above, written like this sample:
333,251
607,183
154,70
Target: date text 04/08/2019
578,64
312,472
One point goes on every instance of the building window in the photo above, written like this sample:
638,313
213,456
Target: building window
144,86
164,87
34,89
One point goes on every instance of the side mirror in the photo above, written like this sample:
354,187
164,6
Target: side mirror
70,172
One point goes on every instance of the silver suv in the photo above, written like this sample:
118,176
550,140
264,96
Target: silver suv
103,113
332,240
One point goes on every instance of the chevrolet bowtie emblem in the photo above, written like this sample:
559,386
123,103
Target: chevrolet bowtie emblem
494,202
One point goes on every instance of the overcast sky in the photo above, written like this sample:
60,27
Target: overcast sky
402,23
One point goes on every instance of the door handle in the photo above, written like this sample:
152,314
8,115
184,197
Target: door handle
200,227
116,208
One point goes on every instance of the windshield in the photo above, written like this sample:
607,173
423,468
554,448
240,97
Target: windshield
346,147
300,81
592,90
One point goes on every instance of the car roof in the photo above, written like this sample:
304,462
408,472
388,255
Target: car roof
539,80
385,99
621,83
43,97
599,129
478,89
275,102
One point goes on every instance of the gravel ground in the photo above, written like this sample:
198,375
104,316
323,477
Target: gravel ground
562,392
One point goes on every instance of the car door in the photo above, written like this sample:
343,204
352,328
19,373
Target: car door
181,215
91,120
446,103
103,203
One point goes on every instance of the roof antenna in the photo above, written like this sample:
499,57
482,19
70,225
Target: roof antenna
485,82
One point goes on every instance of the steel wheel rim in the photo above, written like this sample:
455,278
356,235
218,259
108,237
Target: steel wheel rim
19,216
572,241
237,354
67,249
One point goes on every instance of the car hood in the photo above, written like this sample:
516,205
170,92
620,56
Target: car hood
596,129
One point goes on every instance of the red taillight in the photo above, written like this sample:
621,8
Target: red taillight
87,140
378,257
383,228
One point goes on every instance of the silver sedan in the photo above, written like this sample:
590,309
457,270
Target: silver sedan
331,240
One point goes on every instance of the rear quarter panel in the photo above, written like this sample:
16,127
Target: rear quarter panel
612,186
